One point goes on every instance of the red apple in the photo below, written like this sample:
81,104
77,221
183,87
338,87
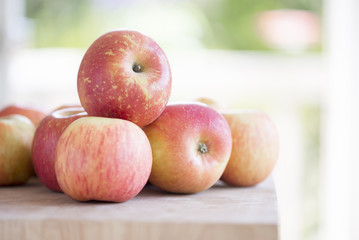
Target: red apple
191,145
35,115
255,147
45,141
103,159
124,74
16,133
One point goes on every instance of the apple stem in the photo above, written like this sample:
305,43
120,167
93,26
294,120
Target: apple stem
136,68
202,148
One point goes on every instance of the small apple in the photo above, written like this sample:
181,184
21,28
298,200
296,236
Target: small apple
35,115
191,144
255,147
16,133
124,74
210,102
45,141
103,159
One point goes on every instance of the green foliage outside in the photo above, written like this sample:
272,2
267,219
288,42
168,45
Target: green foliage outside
229,23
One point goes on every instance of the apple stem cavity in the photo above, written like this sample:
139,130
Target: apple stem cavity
137,68
202,148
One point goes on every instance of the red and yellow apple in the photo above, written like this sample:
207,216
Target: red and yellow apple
103,159
191,144
45,141
124,74
16,134
255,147
210,102
35,115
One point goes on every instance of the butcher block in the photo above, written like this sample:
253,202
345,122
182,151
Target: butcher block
31,211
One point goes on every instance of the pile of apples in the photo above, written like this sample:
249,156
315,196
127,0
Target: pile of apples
126,134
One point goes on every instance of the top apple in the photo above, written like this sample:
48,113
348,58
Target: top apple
125,74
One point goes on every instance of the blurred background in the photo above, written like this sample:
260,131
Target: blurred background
297,60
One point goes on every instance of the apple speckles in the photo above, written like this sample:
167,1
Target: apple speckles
125,77
116,64
119,98
114,87
121,50
131,40
157,102
128,81
128,37
87,80
160,100
142,82
109,53
147,93
128,106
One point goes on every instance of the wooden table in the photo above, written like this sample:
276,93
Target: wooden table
222,212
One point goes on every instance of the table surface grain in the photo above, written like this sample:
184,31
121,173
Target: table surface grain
32,211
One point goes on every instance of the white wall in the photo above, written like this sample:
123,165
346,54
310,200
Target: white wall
14,29
340,124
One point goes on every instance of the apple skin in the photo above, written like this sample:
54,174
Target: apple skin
45,141
16,134
179,164
255,148
31,113
103,159
124,74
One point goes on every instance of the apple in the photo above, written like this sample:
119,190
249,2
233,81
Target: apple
210,102
45,141
35,115
191,144
255,147
67,106
16,134
124,74
103,159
